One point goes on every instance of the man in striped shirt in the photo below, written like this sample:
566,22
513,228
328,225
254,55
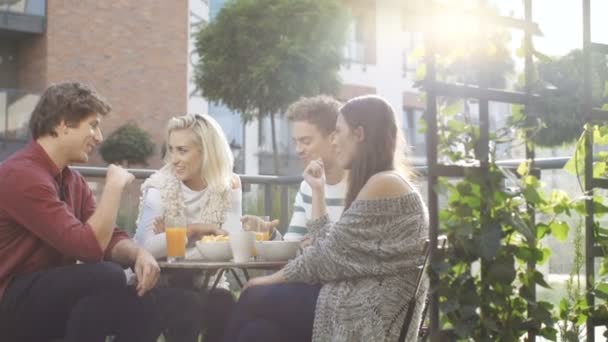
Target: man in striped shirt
314,123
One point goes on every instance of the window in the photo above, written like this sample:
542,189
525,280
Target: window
412,123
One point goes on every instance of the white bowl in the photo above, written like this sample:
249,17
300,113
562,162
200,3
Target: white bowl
214,250
277,250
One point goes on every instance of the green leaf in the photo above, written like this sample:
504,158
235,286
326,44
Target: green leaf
542,230
559,229
599,169
521,226
517,112
502,270
532,195
599,208
600,136
456,126
540,280
490,238
601,291
524,168
547,252
576,164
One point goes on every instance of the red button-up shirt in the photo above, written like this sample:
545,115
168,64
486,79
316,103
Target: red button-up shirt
43,215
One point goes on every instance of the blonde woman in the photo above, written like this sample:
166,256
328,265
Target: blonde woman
196,183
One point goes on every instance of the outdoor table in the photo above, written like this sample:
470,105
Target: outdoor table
207,269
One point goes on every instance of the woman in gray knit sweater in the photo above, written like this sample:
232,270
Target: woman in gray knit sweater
354,281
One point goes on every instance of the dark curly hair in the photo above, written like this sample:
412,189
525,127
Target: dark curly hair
70,102
321,111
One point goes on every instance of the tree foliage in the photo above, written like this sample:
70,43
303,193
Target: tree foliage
258,56
561,86
128,145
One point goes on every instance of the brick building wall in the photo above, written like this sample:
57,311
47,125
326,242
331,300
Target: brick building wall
134,52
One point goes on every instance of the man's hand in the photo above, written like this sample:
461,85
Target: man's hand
250,222
118,176
147,271
314,175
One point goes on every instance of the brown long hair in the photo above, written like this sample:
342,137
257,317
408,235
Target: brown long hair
383,147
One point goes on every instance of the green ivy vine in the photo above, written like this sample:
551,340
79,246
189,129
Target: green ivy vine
495,220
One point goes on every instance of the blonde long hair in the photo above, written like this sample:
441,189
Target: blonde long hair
217,161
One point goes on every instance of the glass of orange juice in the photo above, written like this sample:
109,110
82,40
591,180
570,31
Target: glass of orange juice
175,231
262,232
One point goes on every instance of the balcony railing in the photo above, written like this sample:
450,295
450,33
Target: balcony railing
262,195
273,195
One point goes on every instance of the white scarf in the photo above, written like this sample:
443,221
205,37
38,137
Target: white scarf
212,205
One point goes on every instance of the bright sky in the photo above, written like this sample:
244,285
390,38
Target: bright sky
561,22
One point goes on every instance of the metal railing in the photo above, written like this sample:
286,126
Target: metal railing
277,188
284,183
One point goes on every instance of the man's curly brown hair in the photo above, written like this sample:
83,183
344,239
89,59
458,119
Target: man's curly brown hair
70,102
321,111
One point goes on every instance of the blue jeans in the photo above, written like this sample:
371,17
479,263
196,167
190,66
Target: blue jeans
282,312
88,302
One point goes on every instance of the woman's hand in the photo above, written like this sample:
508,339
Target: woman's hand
201,229
275,278
306,241
159,225
314,175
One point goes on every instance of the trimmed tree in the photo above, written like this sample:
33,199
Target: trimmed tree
561,85
258,56
128,145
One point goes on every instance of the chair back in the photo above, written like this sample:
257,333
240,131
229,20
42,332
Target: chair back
409,314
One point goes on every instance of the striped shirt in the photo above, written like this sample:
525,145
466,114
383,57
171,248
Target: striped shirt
302,208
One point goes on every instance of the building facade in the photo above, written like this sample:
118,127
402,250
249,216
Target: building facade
132,52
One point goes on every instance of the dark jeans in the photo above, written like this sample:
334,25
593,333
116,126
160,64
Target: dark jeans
282,312
87,302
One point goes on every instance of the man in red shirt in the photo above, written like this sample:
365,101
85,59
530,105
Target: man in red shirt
49,220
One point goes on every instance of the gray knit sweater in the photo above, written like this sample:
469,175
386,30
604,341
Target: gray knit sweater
367,263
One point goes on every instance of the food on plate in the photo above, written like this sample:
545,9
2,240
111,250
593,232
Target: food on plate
215,238
262,236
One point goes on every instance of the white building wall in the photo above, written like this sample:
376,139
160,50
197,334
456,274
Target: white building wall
199,15
386,75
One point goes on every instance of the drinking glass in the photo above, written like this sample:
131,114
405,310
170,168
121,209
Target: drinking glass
175,231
